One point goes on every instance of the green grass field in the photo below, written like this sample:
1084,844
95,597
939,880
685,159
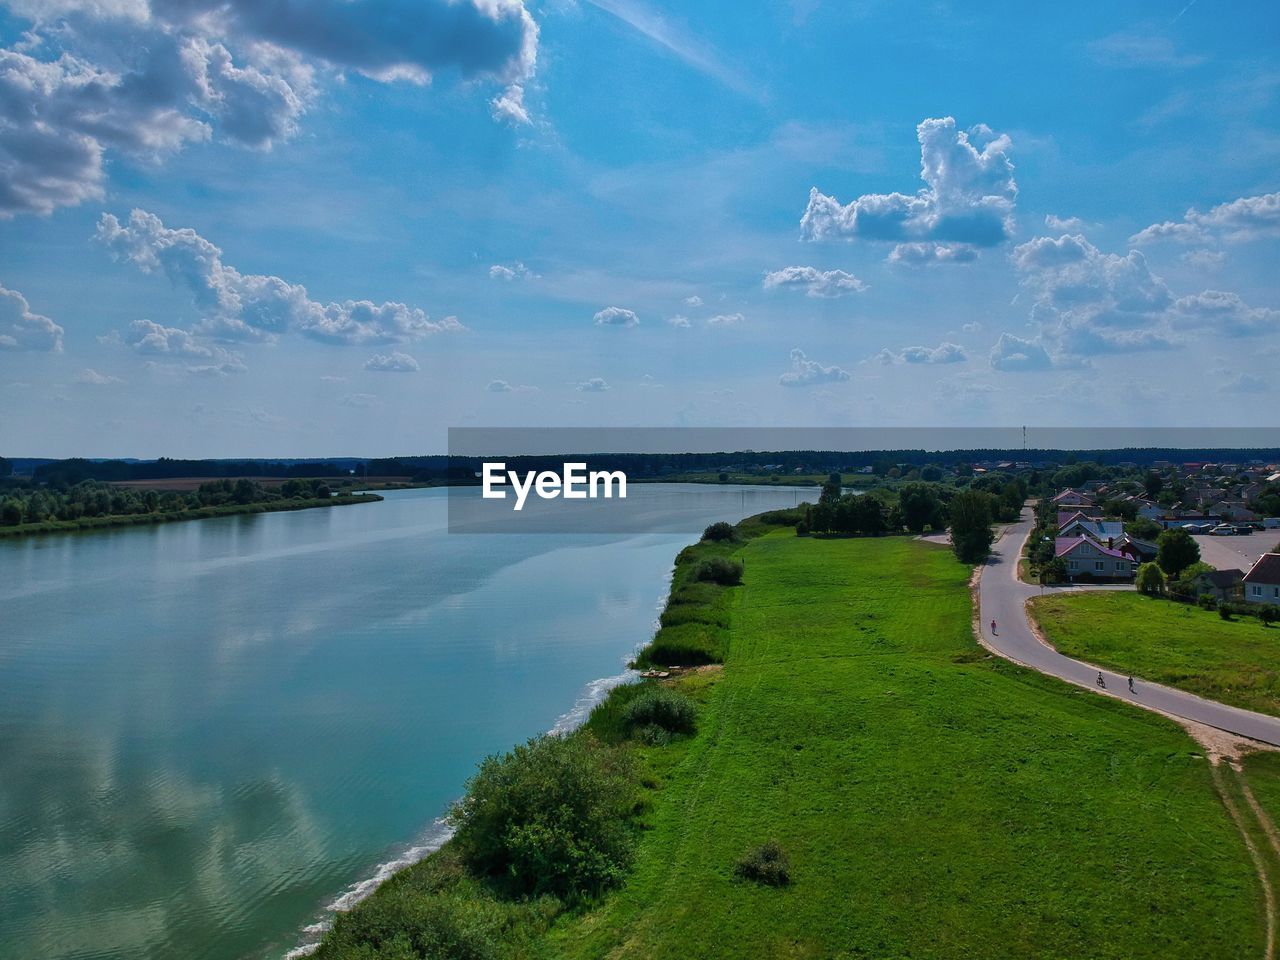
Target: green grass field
934,803
1235,662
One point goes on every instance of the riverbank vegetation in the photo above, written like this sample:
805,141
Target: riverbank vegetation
851,775
91,504
1181,645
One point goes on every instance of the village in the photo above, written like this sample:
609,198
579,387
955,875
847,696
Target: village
1105,531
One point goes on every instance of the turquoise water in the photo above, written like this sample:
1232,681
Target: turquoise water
212,730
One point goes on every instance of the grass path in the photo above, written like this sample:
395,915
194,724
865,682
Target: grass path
935,802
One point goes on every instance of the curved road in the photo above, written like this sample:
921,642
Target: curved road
1003,597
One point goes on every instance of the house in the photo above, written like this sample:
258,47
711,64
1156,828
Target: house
1078,525
1147,509
1088,559
1222,585
1141,550
1262,582
1073,498
1233,510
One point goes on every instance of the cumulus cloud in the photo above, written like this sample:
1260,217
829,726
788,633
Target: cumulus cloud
805,372
725,320
945,352
499,386
395,362
922,254
1223,313
594,385
152,339
514,271
94,378
1247,218
1063,224
1019,354
826,284
693,301
144,79
968,197
679,320
509,106
20,329
252,307
616,317
1202,258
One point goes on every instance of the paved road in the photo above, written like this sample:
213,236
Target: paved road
1238,552
1002,597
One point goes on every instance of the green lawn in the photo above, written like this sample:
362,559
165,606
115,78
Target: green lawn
935,803
1236,662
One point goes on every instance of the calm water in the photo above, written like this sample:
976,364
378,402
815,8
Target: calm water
211,730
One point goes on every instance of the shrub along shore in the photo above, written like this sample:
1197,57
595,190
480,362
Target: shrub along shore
858,779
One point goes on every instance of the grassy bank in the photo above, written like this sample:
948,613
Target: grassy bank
932,802
1235,661
199,513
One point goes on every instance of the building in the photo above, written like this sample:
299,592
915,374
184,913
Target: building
1078,525
1262,582
1222,585
1233,510
1073,498
1088,559
1141,550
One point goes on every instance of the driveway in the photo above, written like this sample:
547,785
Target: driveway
1003,597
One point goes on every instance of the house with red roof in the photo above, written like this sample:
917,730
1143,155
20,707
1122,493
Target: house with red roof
1090,559
1262,582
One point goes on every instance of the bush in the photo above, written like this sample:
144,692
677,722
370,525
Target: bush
1151,580
549,817
1206,601
768,864
652,735
661,707
721,570
407,925
802,529
1224,611
1269,614
720,533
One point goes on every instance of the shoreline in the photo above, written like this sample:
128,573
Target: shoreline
126,520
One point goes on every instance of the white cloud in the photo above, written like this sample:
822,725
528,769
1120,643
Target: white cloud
826,284
1013,353
678,320
1247,218
1064,224
725,320
499,386
968,197
94,378
616,317
693,301
594,385
20,329
395,362
514,271
252,307
95,77
509,107
156,340
922,254
1204,259
944,352
1140,50
1225,314
805,372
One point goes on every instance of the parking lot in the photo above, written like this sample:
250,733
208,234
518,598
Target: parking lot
1239,552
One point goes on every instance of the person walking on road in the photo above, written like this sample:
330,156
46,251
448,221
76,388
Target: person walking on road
1131,690
993,628
1101,681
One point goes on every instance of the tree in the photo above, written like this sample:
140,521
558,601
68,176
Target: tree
11,513
549,817
1153,483
1269,614
1175,551
6,468
1143,529
1055,571
1151,580
920,507
971,535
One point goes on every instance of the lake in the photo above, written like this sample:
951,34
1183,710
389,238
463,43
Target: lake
213,731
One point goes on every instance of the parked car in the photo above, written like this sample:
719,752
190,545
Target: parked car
1271,523
1244,529
1223,530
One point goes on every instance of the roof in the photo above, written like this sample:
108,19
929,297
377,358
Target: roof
1222,578
1265,570
1073,493
1064,545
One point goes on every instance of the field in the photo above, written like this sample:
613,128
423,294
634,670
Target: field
934,803
1235,662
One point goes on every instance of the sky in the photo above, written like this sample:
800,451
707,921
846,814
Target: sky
339,227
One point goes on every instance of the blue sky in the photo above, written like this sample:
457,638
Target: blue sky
229,229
